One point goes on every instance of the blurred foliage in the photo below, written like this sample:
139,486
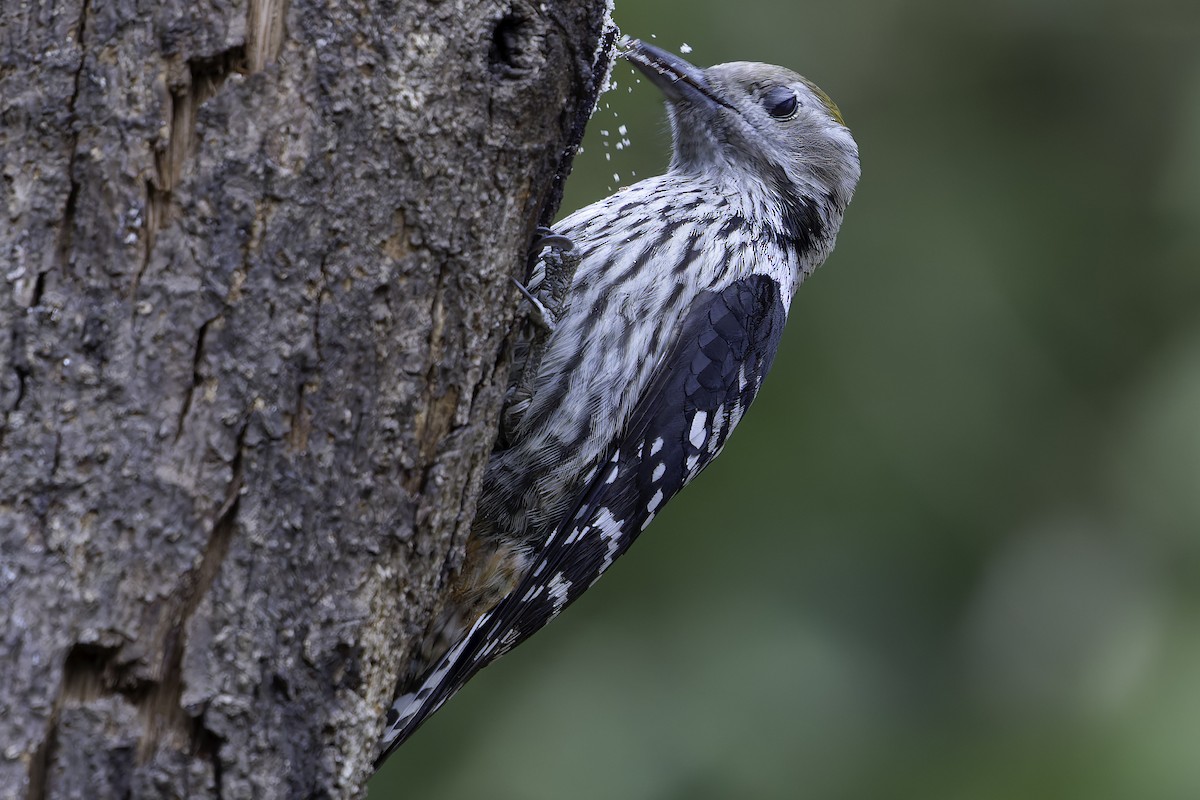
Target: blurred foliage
954,550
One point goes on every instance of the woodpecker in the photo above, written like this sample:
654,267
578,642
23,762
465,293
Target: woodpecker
680,289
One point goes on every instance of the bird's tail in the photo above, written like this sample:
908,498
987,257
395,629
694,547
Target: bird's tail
438,685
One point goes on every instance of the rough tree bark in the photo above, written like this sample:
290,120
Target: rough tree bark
252,342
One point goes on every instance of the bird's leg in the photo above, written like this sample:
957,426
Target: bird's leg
539,315
552,262
551,265
559,263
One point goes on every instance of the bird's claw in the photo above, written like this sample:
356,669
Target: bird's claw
541,316
546,237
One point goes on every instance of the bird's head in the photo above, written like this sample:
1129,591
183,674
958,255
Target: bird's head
754,124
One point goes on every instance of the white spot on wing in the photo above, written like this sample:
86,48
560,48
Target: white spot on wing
658,445
735,416
719,418
659,471
698,434
612,534
558,590
655,501
486,650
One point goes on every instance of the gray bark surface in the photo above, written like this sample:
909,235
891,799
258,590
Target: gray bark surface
253,327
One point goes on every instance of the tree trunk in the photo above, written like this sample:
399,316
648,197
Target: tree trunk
253,329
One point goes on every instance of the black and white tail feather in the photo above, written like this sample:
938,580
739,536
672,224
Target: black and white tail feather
675,314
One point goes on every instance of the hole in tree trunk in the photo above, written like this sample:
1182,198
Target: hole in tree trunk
511,52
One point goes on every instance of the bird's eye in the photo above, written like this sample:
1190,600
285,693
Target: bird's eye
781,102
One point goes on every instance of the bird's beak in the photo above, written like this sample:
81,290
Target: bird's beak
676,78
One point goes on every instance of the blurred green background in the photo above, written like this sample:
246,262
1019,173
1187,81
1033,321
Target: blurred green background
953,552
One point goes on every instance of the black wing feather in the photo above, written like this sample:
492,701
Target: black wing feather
693,401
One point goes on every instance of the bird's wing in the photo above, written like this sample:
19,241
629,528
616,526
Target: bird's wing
694,398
